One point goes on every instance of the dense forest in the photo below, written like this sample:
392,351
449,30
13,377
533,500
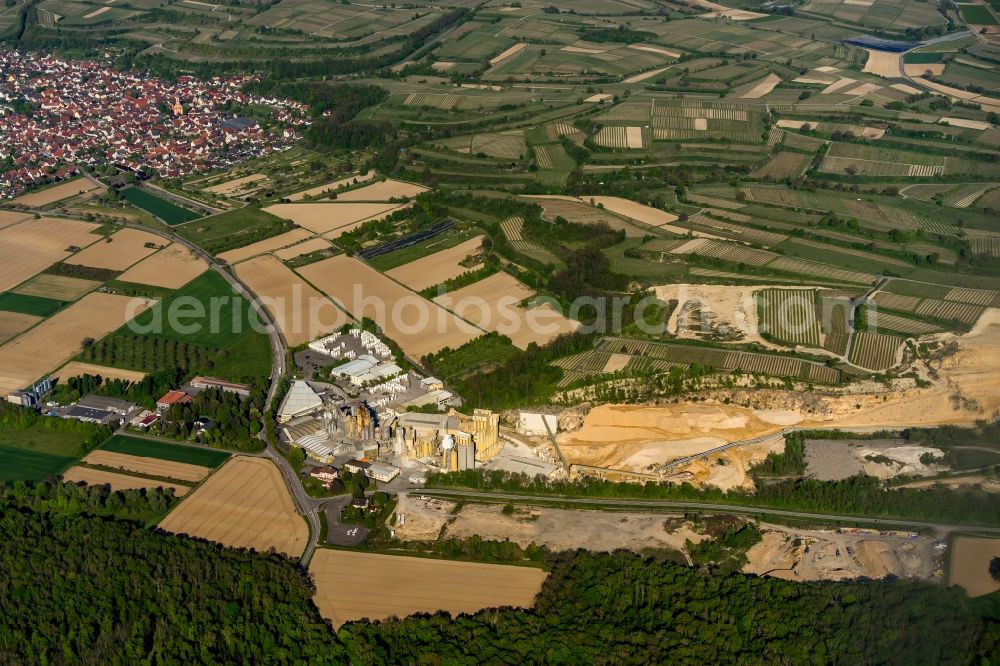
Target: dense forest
126,594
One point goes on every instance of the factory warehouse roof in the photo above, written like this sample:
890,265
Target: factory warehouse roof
301,399
358,366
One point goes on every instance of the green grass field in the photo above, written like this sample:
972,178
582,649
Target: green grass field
32,305
169,212
21,465
430,246
164,450
233,229
34,453
977,15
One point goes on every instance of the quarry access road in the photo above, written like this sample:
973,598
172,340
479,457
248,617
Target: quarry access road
610,503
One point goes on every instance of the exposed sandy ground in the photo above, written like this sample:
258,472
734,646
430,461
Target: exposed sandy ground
267,245
302,313
729,470
762,88
317,191
322,218
863,89
919,69
56,340
580,49
34,245
902,87
636,437
9,217
436,268
230,186
782,554
970,562
492,304
79,368
383,191
305,247
989,484
616,362
99,477
701,124
648,74
561,529
172,267
414,323
57,193
149,466
12,323
654,217
118,251
507,53
245,504
599,97
422,519
57,287
883,63
965,122
655,49
354,586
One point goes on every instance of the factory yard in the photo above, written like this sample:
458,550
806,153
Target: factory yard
807,555
354,586
418,326
33,245
302,313
172,268
970,563
100,477
149,466
59,338
245,504
118,251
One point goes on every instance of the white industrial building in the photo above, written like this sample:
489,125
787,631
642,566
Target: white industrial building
299,401
310,435
382,471
537,425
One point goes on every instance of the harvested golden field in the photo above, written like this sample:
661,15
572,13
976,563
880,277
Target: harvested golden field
883,63
331,187
267,245
59,338
383,191
231,186
58,192
492,304
245,504
172,267
13,323
119,250
354,586
302,313
508,53
57,287
323,218
648,74
305,247
438,267
32,246
79,368
148,466
759,89
654,217
419,326
574,210
9,217
100,477
970,565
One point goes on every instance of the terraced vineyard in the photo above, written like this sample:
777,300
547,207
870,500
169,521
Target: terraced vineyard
875,351
512,230
789,316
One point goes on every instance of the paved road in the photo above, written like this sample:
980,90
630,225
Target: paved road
704,506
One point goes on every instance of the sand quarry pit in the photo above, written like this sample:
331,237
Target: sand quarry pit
245,504
172,268
970,562
636,437
321,218
119,250
383,191
148,466
59,338
58,192
354,586
561,529
100,477
417,325
29,247
274,243
78,369
302,313
438,267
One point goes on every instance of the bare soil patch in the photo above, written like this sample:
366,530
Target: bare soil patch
119,250
245,504
354,586
970,562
